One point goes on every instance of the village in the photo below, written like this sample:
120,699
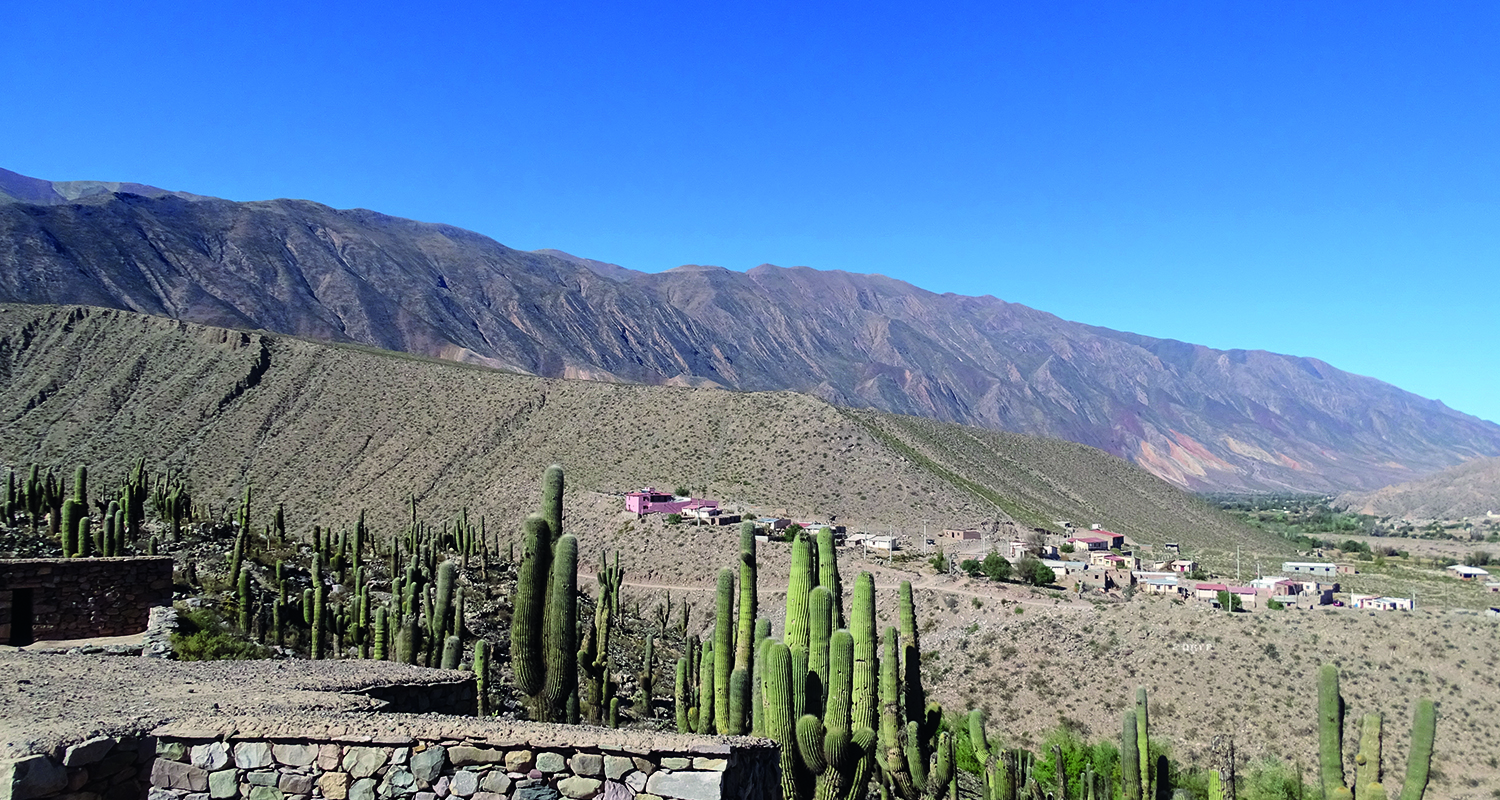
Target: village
1083,561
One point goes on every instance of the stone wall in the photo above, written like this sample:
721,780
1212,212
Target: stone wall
451,758
79,598
395,757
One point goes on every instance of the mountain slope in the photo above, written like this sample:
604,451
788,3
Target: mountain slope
1198,417
1467,490
332,430
17,188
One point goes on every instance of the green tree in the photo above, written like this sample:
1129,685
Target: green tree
1033,571
995,567
939,561
971,566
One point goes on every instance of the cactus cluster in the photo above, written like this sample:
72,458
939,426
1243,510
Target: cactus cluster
1367,773
594,655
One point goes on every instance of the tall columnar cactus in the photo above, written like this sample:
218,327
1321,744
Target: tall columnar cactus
453,652
723,648
379,636
1130,762
757,678
482,675
799,587
1331,734
243,598
560,631
645,680
830,748
72,512
781,726
1143,741
552,500
531,597
1419,760
440,626
318,623
682,695
744,640
594,656
1367,762
828,574
820,632
702,717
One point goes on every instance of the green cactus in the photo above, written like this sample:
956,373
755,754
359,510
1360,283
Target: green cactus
744,640
439,627
407,645
757,678
243,598
317,622
552,500
453,652
1215,785
1142,741
1130,761
560,631
682,697
799,587
482,675
1331,734
864,712
1419,760
781,726
530,600
645,680
705,694
379,636
723,649
72,511
1367,762
828,574
820,631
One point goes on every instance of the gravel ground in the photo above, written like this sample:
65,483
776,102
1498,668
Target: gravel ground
48,700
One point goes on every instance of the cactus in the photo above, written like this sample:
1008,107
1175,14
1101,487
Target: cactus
482,675
243,597
552,497
830,748
1130,761
864,712
560,630
594,657
438,626
723,648
682,696
1143,741
1367,762
406,640
453,652
526,619
72,511
820,632
317,622
379,636
705,693
1331,734
1215,786
757,678
780,724
1419,760
799,587
828,574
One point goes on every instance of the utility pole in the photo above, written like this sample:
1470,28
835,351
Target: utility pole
1237,564
924,537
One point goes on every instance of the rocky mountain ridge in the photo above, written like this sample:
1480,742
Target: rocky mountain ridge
1198,417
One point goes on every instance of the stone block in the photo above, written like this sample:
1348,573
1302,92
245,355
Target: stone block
541,792
32,776
615,767
550,762
177,775
440,788
223,784
160,794
88,752
518,761
488,796
266,793
295,755
463,783
211,756
686,785
252,755
643,765
334,785
711,764
636,781
614,790
78,778
676,763
426,796
363,789
465,756
426,765
171,751
265,777
400,755
362,762
399,781
295,784
328,757
494,782
579,787
588,765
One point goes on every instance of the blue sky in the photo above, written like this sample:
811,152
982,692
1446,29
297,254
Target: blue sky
1320,179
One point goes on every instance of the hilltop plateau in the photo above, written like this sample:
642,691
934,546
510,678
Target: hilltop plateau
1198,417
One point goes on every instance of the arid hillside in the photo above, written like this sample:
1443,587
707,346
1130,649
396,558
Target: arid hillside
331,430
1467,490
1200,418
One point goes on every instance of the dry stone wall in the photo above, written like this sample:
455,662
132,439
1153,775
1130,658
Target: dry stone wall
396,757
80,598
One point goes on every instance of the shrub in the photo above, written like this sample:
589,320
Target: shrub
995,567
970,566
674,519
202,636
1066,548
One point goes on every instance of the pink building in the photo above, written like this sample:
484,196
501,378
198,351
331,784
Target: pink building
650,501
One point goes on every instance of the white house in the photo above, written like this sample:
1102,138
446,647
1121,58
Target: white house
1309,567
1468,573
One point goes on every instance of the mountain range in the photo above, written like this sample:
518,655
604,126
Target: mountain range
1198,417
1468,490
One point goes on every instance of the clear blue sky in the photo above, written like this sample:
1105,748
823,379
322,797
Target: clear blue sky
1319,179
